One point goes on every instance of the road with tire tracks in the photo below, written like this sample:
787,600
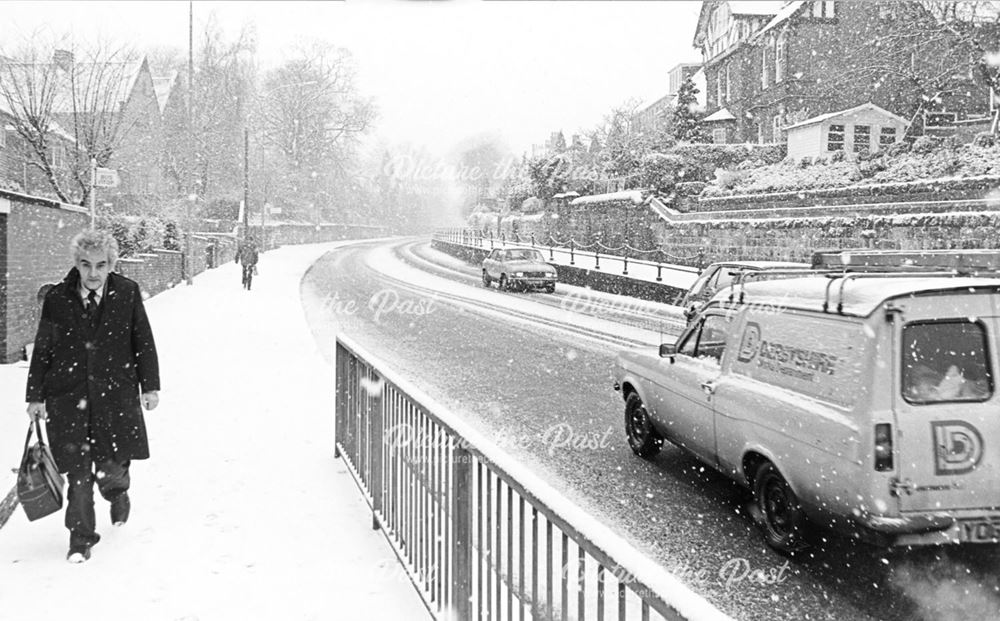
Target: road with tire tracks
534,372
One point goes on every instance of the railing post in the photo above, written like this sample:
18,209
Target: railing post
532,240
340,406
462,550
597,258
552,256
376,445
659,272
491,240
625,271
571,256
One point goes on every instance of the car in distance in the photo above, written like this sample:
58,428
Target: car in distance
518,268
719,275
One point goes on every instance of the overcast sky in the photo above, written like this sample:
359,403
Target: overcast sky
439,71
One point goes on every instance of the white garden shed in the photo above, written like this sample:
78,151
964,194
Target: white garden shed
862,127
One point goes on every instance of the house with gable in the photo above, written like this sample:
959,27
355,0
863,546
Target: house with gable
771,67
125,97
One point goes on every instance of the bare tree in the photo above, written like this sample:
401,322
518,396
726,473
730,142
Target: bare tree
932,53
68,108
312,115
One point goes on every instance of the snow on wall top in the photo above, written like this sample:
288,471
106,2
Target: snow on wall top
629,195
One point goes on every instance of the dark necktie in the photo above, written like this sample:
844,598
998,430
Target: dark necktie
91,304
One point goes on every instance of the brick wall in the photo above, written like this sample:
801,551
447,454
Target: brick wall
37,233
155,272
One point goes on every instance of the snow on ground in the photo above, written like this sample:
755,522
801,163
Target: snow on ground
242,511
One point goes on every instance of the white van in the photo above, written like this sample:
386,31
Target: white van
866,403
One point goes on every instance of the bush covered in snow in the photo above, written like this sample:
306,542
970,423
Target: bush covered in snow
928,158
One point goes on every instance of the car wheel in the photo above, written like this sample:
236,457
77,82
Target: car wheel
643,439
550,288
487,281
504,286
779,511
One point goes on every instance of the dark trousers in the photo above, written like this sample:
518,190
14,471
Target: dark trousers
247,276
112,480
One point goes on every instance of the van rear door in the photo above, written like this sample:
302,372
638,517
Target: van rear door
948,422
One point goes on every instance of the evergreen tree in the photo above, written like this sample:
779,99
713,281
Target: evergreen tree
687,125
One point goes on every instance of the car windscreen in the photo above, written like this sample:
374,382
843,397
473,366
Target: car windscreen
524,255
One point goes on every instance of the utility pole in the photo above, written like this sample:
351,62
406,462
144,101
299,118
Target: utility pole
246,181
186,256
93,192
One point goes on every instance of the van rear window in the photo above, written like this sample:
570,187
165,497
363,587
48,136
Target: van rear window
945,361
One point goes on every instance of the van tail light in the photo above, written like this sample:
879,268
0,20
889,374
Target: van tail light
883,447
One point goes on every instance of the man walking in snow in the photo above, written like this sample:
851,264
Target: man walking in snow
93,363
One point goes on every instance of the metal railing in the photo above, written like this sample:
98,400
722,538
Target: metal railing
476,239
479,535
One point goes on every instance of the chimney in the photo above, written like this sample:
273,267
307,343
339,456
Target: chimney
63,59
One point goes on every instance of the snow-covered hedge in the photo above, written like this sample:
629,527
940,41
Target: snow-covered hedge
929,160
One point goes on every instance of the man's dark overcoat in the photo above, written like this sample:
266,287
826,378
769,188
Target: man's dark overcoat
90,372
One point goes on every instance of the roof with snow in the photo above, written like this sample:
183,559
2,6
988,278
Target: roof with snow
123,76
782,16
738,9
722,114
635,196
861,296
163,86
830,115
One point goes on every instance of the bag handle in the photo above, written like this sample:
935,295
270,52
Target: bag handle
36,426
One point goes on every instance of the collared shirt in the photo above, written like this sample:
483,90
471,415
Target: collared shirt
84,292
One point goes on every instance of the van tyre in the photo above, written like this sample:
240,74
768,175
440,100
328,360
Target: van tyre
503,286
643,438
779,511
487,281
550,288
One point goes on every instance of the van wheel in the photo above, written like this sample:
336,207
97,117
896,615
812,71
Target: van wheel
643,439
780,513
550,288
487,281
503,283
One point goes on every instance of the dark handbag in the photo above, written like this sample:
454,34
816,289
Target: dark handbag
39,484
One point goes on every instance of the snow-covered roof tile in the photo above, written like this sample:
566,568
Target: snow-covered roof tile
782,16
162,86
722,114
829,115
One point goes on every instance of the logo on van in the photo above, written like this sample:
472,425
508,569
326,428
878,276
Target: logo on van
750,344
958,447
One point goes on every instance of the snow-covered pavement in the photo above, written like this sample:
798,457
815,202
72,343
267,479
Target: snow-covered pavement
242,512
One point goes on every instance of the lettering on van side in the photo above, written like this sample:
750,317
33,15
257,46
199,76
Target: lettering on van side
958,447
782,358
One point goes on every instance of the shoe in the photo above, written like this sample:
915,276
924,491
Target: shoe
78,554
120,508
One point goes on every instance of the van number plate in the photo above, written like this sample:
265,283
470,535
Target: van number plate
980,531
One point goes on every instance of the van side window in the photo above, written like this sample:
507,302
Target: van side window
945,361
707,341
